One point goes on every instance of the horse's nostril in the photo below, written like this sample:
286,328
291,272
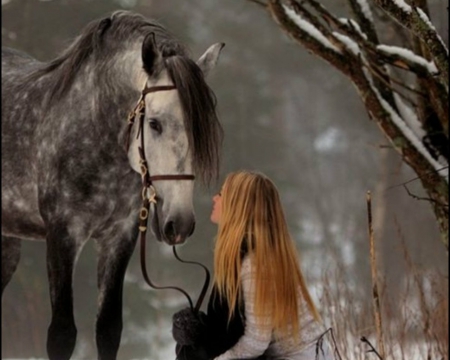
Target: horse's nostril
192,229
169,230
178,229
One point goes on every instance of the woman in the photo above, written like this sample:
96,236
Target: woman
260,307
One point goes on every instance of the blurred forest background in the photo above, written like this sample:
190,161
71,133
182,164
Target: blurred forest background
289,115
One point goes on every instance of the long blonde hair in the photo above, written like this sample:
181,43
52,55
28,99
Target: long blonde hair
253,218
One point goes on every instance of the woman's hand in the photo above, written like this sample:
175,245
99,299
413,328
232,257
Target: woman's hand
191,353
189,328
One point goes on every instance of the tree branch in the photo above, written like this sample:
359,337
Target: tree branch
305,38
422,198
365,20
376,73
415,19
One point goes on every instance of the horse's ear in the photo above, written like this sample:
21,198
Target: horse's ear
151,57
209,59
103,26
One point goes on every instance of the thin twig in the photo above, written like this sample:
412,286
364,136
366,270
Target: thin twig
319,344
336,350
373,266
380,76
259,2
423,198
416,178
372,349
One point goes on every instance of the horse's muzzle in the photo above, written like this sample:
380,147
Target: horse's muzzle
177,229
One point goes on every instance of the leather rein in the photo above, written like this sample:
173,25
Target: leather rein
149,195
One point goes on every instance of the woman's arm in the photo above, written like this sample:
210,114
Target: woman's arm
256,338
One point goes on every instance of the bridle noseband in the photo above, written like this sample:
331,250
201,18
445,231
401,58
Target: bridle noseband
149,192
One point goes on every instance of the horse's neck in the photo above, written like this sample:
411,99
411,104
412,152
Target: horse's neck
111,90
127,67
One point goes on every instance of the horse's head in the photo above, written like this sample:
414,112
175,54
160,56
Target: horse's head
181,134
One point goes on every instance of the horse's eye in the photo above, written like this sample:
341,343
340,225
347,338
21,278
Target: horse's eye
155,125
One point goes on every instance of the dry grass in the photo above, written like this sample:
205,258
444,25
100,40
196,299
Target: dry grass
415,315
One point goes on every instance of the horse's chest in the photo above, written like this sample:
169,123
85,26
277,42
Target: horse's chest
105,200
99,192
105,214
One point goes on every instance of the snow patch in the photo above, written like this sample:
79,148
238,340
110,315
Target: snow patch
405,130
348,42
410,56
309,28
409,116
354,24
365,8
403,5
427,21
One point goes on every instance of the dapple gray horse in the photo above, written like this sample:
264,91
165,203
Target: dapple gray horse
67,176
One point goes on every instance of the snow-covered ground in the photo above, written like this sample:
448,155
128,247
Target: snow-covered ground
415,351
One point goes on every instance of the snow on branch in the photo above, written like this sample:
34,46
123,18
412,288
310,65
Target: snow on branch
409,57
401,4
427,21
363,16
348,42
418,23
403,127
309,28
365,9
353,24
410,117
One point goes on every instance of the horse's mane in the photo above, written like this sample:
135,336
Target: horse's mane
89,43
199,107
197,99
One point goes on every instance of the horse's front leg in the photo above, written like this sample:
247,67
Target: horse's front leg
61,254
10,258
114,255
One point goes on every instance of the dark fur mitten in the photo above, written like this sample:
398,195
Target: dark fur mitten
191,353
189,328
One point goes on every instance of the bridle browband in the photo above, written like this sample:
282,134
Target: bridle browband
149,194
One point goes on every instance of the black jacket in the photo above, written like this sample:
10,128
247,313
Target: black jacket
219,335
212,332
222,335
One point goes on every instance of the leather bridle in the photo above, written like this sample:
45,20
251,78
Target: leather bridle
149,193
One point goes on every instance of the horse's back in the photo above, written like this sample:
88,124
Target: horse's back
20,215
14,54
15,64
16,68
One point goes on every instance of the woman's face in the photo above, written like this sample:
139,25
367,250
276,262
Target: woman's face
217,208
